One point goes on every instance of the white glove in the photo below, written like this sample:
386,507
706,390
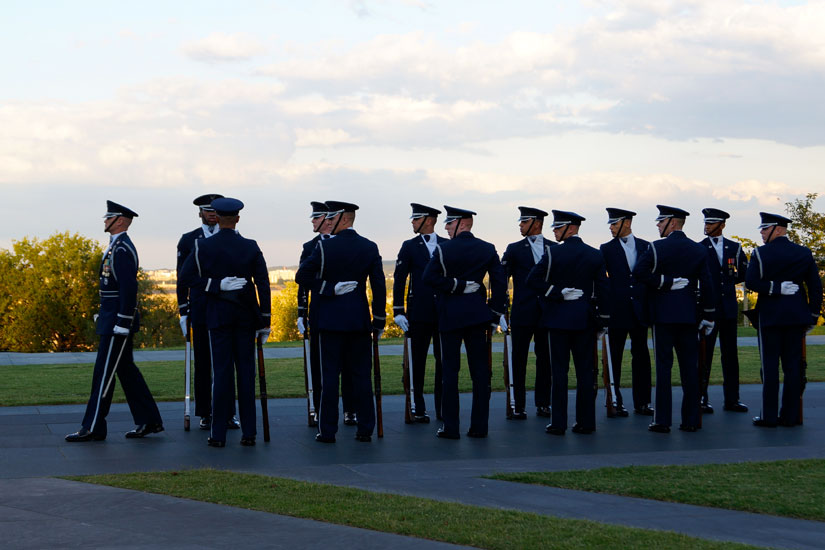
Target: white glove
345,287
401,321
301,327
183,326
706,327
96,315
679,283
571,294
121,331
263,333
232,283
788,288
502,322
471,287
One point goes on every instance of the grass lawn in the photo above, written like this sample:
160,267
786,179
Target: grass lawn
64,384
790,488
417,517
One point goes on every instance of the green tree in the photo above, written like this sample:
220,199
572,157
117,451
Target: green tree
808,229
285,314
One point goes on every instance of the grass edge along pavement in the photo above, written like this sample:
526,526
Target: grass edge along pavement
404,515
69,383
789,488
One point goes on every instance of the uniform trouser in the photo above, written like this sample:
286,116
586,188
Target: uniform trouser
315,367
684,338
639,362
346,355
521,345
579,344
233,351
203,372
775,343
475,342
420,335
725,329
114,355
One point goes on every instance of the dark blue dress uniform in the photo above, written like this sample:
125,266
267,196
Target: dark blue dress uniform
465,317
628,312
782,318
572,324
525,314
118,307
421,309
675,318
232,317
343,321
192,302
724,275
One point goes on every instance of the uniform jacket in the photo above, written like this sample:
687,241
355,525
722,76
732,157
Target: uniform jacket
725,277
456,262
347,257
572,264
412,259
118,287
191,299
517,262
304,290
781,260
665,260
628,297
227,254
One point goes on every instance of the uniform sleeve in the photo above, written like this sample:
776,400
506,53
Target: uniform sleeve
707,292
601,287
741,264
379,290
435,275
303,290
182,290
125,268
539,277
753,276
498,285
645,270
310,268
260,276
402,271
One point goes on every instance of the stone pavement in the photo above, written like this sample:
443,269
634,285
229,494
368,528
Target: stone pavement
408,460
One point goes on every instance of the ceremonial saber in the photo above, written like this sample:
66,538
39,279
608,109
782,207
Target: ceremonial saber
508,355
408,344
379,413
262,382
188,371
606,352
120,353
308,380
406,381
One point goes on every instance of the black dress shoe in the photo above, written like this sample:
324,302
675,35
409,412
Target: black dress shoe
350,419
82,435
233,424
581,430
647,410
446,435
439,417
313,421
324,438
363,438
205,423
476,435
215,443
622,412
553,430
762,423
738,407
688,428
421,419
248,441
705,407
546,412
143,430
658,428
787,423
518,415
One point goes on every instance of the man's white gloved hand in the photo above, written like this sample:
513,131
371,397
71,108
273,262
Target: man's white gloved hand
263,334
121,331
232,283
301,326
471,287
679,283
571,294
502,322
788,288
401,321
345,287
183,327
706,327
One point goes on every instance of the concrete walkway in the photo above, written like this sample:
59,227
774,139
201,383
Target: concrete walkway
408,460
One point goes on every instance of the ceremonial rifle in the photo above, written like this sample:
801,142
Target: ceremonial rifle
262,382
607,376
509,390
704,370
803,371
376,373
407,382
311,419
188,371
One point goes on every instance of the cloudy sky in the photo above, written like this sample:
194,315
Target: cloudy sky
478,104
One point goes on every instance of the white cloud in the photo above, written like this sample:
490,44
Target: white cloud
321,137
222,47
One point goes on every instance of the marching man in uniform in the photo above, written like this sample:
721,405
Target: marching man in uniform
117,321
420,319
780,271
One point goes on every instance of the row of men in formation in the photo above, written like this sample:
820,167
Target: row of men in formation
565,295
